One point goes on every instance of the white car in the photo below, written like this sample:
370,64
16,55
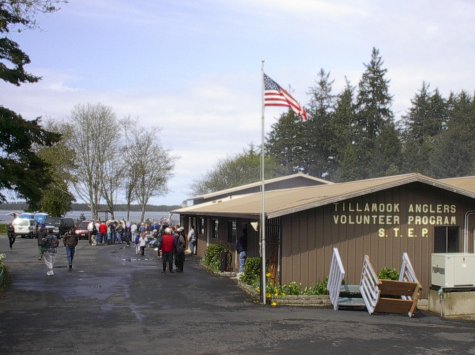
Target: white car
25,227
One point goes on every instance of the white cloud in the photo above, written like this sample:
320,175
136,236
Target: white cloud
322,8
192,68
201,124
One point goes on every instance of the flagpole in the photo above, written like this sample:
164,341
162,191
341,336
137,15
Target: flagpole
262,223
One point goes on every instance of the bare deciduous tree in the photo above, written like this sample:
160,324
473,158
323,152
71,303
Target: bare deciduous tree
95,128
152,165
130,152
112,177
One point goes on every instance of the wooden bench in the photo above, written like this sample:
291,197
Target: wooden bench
398,297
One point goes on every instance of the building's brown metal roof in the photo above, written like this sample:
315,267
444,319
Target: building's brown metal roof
466,182
258,183
282,202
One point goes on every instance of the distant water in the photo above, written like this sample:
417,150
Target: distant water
134,216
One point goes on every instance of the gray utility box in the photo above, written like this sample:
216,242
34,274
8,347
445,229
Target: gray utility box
453,269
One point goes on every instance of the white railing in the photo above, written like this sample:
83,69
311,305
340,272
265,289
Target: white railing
369,285
337,274
407,273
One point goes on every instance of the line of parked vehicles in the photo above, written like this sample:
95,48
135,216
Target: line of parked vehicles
26,225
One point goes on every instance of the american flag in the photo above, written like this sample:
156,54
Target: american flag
274,95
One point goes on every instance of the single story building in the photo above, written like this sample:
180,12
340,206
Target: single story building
380,217
279,183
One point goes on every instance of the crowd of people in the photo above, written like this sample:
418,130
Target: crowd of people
170,242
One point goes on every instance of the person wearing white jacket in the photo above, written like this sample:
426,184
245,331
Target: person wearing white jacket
192,240
142,243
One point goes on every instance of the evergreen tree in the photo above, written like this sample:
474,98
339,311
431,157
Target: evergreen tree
349,165
373,116
285,144
341,127
453,150
21,170
425,120
56,199
387,154
319,137
374,101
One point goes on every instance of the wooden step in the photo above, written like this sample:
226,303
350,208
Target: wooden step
391,305
397,288
354,289
350,302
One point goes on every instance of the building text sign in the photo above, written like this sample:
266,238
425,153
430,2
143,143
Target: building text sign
389,215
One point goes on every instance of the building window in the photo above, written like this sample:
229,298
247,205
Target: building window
200,228
446,240
215,229
232,232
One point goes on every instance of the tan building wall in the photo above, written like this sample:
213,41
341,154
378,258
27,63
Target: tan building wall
382,225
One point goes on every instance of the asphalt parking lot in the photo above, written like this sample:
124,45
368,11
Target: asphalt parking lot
116,302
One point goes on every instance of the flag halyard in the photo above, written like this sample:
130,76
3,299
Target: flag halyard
276,96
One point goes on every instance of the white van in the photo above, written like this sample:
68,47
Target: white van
24,227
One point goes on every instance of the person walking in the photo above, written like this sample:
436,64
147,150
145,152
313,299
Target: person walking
119,232
50,247
180,245
102,236
133,230
167,246
192,240
241,248
137,243
112,233
142,243
11,235
91,227
41,240
127,236
70,241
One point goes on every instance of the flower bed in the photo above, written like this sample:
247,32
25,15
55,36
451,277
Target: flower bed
321,301
276,296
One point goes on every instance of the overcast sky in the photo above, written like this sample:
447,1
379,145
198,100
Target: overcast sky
193,67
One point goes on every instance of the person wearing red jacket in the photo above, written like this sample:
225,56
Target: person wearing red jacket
167,246
102,233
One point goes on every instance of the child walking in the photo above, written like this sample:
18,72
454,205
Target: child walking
142,243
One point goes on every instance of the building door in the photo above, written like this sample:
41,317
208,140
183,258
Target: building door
446,240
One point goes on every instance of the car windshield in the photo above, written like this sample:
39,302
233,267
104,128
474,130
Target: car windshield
83,225
21,222
27,216
41,217
53,221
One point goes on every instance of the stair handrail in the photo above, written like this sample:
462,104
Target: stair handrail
335,278
369,285
407,273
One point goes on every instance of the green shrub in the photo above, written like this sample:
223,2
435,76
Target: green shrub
295,289
320,288
212,257
3,272
387,273
252,271
292,288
